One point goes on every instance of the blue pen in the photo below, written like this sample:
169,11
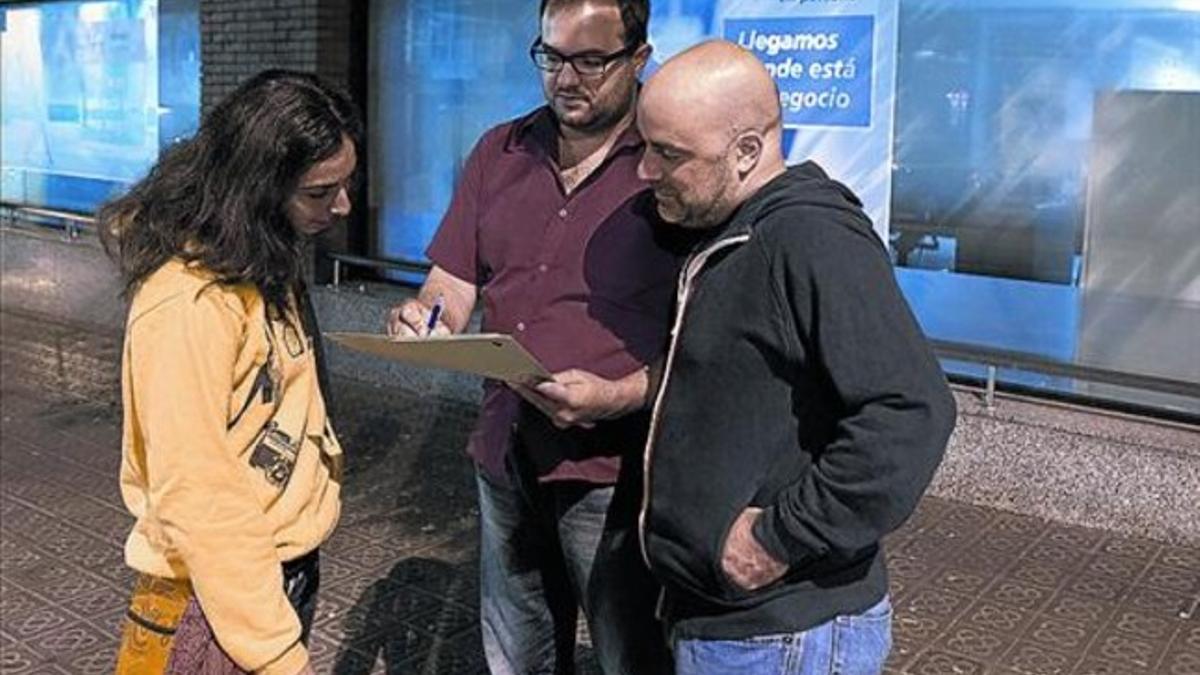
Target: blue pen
435,312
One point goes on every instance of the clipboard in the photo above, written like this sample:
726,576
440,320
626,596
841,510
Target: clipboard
492,355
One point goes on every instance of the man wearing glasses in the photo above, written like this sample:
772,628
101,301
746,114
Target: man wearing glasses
552,227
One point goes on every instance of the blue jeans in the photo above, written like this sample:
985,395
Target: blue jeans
549,549
855,644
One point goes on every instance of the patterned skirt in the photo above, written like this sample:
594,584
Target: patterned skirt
166,632
165,629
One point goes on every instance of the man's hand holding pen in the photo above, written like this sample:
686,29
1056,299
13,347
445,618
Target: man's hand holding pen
414,318
571,398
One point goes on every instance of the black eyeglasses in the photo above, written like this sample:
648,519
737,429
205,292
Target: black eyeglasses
586,65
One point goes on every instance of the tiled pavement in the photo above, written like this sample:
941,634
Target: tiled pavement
976,590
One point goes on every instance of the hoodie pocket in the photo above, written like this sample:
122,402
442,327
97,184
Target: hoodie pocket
734,591
725,587
686,551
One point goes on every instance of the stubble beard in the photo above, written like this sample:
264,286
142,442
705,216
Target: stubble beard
715,211
599,121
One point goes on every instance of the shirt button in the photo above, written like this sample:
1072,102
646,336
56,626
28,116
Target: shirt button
542,268
521,326
562,213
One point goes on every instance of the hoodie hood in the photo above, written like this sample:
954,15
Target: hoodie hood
802,185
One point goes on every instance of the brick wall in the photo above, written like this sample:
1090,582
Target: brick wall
241,37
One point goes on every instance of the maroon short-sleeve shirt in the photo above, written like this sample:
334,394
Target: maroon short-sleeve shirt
584,280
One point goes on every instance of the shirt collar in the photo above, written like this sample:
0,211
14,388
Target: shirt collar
537,134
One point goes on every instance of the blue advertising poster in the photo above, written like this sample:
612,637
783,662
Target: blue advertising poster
822,65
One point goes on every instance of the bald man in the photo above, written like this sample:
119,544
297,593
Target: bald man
800,414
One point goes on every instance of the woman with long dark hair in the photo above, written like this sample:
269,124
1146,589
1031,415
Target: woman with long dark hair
229,463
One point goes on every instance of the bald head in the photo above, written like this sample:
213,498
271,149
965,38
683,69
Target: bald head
718,86
716,108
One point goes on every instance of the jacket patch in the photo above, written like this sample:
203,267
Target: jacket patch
275,455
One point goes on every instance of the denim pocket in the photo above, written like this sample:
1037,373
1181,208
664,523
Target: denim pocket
861,642
723,657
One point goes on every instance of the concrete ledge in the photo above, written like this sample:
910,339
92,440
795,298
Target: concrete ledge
72,280
1076,465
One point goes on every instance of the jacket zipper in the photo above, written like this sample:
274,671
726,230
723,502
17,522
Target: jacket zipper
685,287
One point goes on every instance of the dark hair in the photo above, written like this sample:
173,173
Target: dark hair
635,16
220,197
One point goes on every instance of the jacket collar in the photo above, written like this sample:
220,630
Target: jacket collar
804,183
742,221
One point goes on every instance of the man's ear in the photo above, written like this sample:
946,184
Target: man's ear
641,57
749,147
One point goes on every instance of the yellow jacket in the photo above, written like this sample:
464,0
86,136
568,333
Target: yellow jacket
228,461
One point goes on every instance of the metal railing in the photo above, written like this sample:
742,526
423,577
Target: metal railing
341,260
72,223
991,358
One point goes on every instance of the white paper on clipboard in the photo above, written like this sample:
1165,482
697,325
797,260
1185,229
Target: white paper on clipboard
491,355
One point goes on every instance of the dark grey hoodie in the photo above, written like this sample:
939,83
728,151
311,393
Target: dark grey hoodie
798,381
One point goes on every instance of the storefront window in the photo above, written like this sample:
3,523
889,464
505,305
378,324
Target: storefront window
91,91
442,73
1043,194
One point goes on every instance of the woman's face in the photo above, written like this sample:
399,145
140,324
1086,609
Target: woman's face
322,196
